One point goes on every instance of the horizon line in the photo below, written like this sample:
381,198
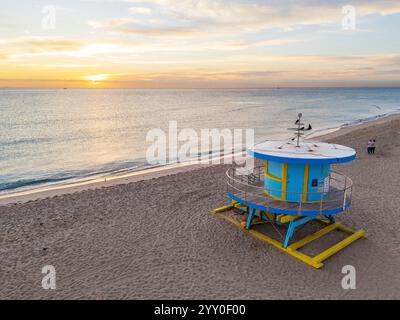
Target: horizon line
208,88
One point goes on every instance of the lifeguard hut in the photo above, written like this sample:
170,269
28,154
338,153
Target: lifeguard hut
293,185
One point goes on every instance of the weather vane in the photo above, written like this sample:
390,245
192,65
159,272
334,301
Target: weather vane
299,129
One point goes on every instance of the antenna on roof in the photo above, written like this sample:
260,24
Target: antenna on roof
299,129
298,133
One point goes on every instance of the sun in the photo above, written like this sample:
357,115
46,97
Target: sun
96,77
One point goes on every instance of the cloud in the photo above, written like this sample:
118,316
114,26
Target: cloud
235,45
40,44
168,54
109,24
27,46
132,26
265,71
271,73
162,31
267,68
203,39
250,16
140,10
33,46
222,18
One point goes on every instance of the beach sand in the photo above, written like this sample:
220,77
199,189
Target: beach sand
153,237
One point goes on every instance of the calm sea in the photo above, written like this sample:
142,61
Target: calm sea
53,136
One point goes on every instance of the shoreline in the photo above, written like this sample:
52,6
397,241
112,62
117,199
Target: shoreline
156,172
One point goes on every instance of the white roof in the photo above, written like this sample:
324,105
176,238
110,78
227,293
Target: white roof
307,152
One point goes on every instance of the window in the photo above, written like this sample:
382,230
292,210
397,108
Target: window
314,182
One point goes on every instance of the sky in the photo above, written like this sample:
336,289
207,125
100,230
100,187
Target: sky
199,43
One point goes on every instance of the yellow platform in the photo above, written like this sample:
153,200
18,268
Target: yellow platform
292,249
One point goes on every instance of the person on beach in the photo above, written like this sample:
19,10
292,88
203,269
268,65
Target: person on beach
369,146
373,146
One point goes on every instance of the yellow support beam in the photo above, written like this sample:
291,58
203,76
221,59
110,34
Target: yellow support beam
239,205
222,209
316,261
339,246
348,230
341,227
301,256
312,237
258,219
270,216
284,218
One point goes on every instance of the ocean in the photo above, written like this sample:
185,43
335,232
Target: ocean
58,136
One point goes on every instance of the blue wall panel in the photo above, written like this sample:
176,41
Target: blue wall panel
275,169
294,186
273,187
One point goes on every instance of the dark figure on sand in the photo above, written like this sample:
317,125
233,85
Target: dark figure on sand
371,146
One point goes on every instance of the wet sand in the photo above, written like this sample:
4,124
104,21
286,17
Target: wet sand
153,237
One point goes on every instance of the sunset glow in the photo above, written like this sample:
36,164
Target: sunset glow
198,43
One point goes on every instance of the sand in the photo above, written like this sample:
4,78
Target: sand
153,237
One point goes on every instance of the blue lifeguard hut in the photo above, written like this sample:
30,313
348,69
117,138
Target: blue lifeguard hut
293,185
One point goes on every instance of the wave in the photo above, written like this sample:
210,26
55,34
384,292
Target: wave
360,121
14,183
39,179
24,141
369,119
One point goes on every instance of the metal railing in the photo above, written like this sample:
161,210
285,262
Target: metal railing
250,188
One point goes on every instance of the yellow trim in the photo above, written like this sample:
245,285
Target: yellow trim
305,183
270,176
273,177
270,195
284,180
